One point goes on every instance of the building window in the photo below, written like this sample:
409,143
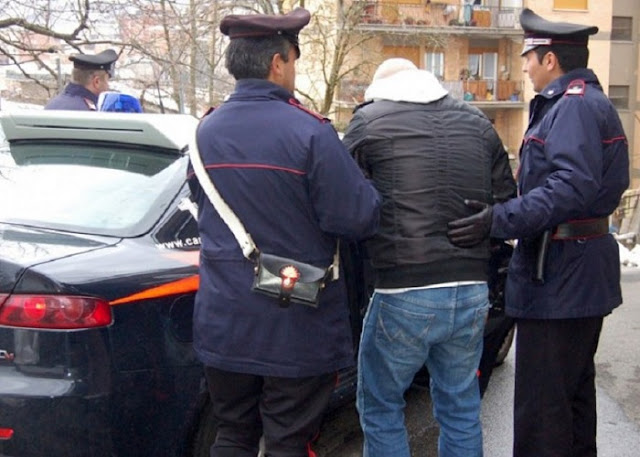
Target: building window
570,4
483,66
506,4
621,28
490,65
619,96
434,62
411,53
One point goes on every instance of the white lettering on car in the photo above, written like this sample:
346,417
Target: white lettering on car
179,244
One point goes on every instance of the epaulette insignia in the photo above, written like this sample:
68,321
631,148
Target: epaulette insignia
576,87
90,104
297,104
209,111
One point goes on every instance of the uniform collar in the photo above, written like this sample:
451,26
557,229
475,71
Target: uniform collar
78,90
559,85
260,88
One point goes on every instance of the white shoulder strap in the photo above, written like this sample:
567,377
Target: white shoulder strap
249,249
247,245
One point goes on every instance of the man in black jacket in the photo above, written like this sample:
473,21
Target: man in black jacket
426,153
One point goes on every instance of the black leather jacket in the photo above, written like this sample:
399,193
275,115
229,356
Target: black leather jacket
425,159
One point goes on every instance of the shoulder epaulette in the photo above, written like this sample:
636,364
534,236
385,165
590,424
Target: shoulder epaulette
90,104
576,87
209,111
297,104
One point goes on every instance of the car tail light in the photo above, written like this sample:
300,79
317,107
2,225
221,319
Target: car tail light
56,312
5,433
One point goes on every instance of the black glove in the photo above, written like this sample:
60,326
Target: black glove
472,230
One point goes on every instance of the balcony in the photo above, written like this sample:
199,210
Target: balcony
459,19
484,92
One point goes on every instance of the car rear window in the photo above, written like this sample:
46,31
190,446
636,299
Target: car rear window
103,189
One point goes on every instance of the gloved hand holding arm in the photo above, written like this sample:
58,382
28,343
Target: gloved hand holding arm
472,230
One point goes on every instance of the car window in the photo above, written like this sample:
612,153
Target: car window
179,230
105,189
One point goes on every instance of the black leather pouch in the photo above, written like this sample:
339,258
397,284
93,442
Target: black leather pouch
288,280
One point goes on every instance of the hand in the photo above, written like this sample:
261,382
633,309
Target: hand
472,230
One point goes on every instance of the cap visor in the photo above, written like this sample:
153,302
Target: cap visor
528,48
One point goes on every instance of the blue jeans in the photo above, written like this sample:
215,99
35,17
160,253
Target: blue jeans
441,328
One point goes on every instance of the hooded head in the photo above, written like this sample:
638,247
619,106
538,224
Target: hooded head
398,79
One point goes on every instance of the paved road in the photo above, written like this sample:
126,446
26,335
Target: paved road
618,390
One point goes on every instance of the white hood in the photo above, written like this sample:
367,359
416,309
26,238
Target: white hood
401,81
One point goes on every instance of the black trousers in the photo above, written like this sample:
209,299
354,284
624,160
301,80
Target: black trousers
491,346
555,396
287,411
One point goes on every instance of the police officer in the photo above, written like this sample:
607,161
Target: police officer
90,77
564,276
285,173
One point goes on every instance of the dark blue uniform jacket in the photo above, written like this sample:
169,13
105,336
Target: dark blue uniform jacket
74,97
290,180
574,164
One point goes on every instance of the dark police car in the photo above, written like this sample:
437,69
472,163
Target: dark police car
98,270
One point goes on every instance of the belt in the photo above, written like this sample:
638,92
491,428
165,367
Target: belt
582,229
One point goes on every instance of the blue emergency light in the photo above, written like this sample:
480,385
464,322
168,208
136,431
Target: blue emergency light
118,102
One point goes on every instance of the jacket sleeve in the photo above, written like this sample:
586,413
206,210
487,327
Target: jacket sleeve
503,185
354,136
573,154
345,202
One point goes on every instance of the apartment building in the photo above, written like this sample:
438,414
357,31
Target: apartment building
614,56
474,46
624,74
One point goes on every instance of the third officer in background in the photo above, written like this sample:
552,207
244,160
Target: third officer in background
564,276
90,77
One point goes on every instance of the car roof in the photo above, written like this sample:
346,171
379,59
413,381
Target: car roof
170,131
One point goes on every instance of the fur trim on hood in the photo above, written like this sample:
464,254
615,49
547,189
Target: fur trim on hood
400,80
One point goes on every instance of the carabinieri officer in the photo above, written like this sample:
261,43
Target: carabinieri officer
90,77
289,179
564,276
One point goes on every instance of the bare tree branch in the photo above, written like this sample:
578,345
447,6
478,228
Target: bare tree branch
20,22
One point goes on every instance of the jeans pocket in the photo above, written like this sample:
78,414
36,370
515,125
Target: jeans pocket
478,325
401,331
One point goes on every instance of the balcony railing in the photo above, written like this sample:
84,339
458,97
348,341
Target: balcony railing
471,90
435,14
477,90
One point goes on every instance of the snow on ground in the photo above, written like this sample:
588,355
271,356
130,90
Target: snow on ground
629,258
